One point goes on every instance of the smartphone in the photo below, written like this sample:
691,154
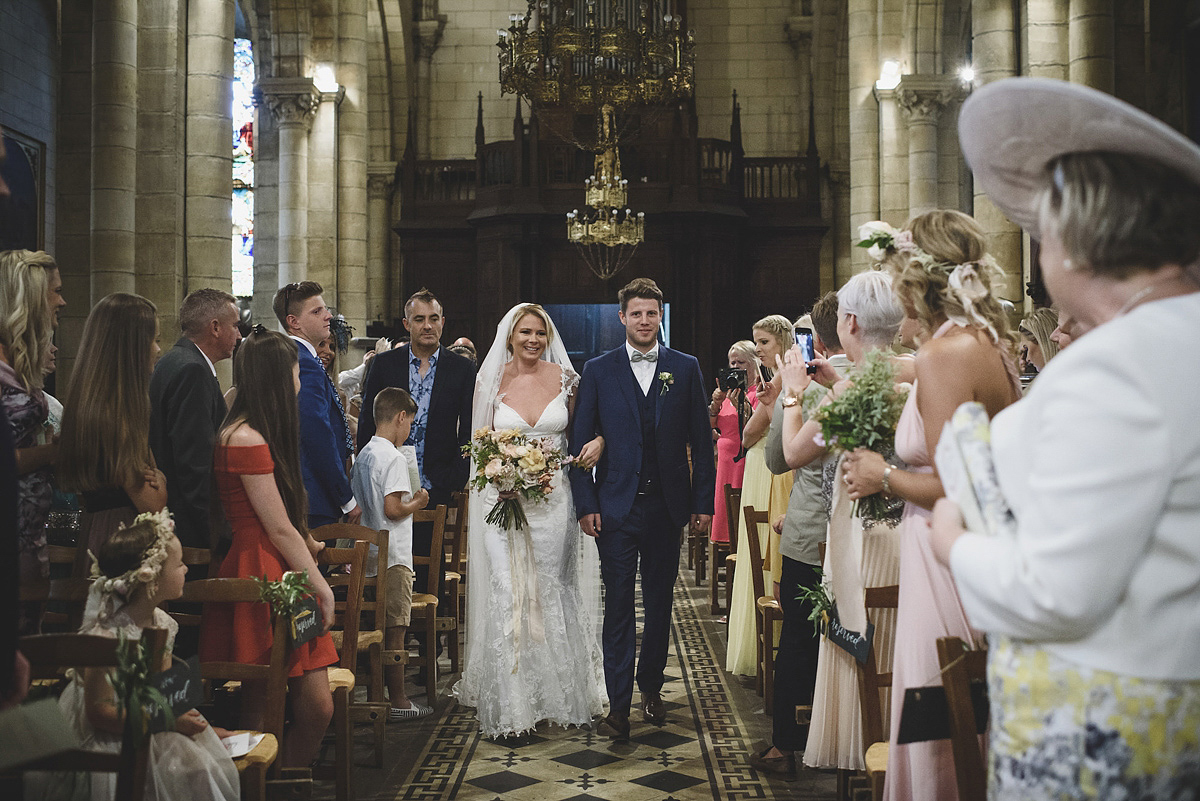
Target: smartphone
804,339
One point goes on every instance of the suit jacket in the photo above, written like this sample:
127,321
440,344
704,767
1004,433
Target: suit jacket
607,404
449,426
322,440
186,410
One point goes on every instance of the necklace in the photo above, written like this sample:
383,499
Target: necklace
1141,294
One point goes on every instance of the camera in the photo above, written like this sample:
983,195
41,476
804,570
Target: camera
731,378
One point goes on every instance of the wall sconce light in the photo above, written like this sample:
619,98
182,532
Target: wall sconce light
324,80
966,74
889,75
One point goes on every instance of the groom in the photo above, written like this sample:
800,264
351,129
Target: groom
648,402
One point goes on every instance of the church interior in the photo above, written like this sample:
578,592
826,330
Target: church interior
383,146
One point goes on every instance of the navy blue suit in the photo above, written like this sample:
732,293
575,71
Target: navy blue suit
322,443
644,494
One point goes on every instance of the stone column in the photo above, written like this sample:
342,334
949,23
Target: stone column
114,146
994,53
864,61
380,176
352,178
922,98
1092,44
209,156
426,37
293,103
1046,39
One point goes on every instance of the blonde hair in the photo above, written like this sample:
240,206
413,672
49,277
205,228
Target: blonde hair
779,327
538,312
26,322
946,239
106,412
745,349
1038,327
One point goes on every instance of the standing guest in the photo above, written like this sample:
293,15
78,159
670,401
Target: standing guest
465,347
942,275
1090,601
647,401
1037,344
351,381
1064,332
186,409
723,417
381,480
442,384
325,442
773,335
25,331
257,466
104,451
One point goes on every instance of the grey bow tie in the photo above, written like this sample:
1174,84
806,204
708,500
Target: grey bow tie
652,356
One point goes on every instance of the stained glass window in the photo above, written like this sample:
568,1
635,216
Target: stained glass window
243,168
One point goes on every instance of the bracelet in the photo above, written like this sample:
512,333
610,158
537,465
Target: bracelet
887,472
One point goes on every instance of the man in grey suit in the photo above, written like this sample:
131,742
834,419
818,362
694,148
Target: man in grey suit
801,530
186,409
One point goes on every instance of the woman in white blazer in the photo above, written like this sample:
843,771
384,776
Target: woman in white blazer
1092,604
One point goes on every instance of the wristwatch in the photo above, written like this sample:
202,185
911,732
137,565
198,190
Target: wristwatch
789,401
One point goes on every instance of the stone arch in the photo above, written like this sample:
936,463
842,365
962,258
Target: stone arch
395,24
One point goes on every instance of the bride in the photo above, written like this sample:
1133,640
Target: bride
533,611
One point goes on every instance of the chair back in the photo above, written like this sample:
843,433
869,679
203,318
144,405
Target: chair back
373,593
348,610
75,556
456,532
754,519
870,678
438,518
733,502
49,655
68,594
960,669
274,674
198,561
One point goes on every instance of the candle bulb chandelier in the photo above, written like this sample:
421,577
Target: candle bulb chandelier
599,57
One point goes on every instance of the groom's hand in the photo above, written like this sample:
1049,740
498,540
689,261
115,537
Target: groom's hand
701,523
591,525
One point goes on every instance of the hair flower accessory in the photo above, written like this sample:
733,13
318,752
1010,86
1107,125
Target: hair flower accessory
667,379
877,237
148,570
967,284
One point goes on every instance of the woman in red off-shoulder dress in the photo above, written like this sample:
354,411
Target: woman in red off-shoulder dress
257,468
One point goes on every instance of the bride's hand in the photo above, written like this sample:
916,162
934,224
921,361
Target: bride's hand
590,453
508,496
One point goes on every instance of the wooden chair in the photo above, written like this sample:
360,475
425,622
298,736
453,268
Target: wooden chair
347,616
49,655
199,562
767,611
870,682
371,643
261,766
960,669
68,594
719,553
425,604
456,534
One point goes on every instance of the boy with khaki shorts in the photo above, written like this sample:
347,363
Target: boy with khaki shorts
383,486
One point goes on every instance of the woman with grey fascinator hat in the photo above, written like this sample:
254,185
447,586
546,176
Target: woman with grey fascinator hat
1092,600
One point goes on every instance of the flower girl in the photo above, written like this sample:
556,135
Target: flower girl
139,567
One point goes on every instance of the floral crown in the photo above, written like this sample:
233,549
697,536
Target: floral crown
965,280
150,566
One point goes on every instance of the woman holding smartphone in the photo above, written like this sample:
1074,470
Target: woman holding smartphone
761,489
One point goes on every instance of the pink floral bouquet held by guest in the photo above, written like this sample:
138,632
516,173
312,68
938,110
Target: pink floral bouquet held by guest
520,467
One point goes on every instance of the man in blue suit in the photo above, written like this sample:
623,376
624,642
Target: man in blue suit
325,443
648,402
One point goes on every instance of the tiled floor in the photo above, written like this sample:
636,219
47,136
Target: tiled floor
713,722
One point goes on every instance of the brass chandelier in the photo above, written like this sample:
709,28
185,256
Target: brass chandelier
599,57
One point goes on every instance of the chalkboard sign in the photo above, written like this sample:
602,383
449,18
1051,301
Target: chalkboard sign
306,621
852,642
181,685
925,714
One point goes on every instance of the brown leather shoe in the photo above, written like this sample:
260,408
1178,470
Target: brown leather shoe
652,709
783,767
616,726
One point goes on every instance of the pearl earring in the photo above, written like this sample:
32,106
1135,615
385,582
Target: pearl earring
1068,265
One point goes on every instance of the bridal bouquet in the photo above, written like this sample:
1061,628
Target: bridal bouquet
865,416
519,467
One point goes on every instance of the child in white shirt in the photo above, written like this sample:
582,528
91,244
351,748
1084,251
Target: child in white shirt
382,486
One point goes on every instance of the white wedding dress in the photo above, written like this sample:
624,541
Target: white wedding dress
533,644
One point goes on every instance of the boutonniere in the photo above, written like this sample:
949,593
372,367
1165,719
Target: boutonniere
667,380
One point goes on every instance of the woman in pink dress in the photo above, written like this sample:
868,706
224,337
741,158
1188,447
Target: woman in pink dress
943,275
723,416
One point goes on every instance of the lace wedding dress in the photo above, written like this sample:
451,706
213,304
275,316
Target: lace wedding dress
533,647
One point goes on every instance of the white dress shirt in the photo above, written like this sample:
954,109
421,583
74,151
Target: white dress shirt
1101,465
644,370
